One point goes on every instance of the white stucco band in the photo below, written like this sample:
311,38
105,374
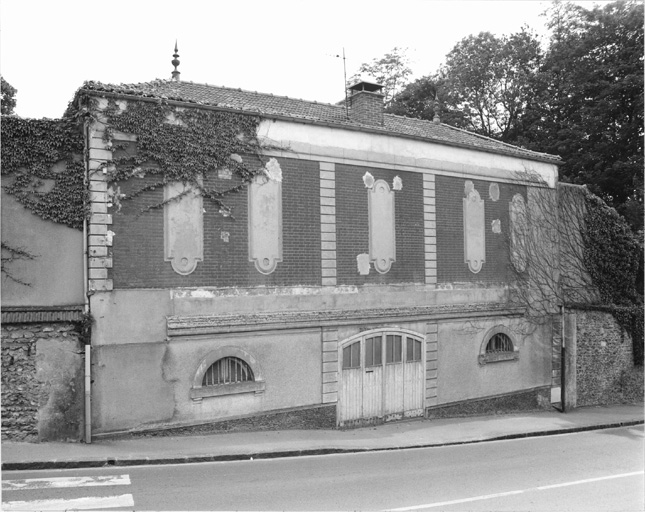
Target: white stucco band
405,154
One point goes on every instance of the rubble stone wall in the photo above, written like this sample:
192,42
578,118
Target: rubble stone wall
605,371
42,382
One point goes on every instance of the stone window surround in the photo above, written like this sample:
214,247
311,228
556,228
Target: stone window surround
198,392
485,358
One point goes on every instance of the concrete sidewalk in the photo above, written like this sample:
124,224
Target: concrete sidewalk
287,443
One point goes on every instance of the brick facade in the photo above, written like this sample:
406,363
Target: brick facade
353,226
319,248
450,231
138,247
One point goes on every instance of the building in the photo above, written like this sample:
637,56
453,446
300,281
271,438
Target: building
365,272
362,276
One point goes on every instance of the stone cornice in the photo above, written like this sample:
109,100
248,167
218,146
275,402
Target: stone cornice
219,324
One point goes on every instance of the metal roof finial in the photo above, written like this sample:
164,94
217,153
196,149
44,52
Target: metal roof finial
175,62
437,109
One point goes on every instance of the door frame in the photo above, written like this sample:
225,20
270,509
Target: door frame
362,336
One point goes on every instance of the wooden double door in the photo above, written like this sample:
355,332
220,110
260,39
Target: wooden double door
382,377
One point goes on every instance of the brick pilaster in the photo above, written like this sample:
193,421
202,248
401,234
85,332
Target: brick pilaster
329,365
99,235
432,369
328,222
430,229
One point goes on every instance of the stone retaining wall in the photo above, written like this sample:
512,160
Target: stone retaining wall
308,418
42,382
530,400
605,371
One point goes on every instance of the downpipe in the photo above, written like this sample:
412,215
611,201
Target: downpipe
88,346
563,353
88,394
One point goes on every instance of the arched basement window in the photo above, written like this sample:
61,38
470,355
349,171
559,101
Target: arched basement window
499,342
228,370
498,346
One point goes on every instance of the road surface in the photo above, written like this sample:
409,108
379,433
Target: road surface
590,471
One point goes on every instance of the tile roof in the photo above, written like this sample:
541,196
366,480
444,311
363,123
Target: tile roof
310,111
37,314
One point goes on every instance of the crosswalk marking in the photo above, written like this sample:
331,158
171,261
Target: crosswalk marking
124,500
64,482
85,503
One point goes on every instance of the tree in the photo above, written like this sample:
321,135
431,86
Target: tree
426,97
391,71
589,103
490,81
8,97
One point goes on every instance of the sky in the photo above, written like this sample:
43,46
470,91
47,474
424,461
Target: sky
49,48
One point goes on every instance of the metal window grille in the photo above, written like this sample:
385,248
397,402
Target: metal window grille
500,342
228,370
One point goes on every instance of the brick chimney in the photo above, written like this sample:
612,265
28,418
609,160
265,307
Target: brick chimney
366,103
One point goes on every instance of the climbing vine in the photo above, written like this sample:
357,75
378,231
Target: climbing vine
612,256
44,157
11,254
179,145
43,161
581,254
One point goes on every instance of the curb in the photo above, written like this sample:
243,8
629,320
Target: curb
116,462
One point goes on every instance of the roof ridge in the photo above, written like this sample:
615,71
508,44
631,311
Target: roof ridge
255,102
225,87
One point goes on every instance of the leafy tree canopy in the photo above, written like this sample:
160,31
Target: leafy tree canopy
485,85
490,80
391,71
580,98
8,97
589,103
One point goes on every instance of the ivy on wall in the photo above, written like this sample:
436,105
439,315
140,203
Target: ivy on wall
613,256
44,158
180,145
611,252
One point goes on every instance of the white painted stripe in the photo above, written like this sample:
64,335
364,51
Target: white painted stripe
64,482
511,493
125,500
588,480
